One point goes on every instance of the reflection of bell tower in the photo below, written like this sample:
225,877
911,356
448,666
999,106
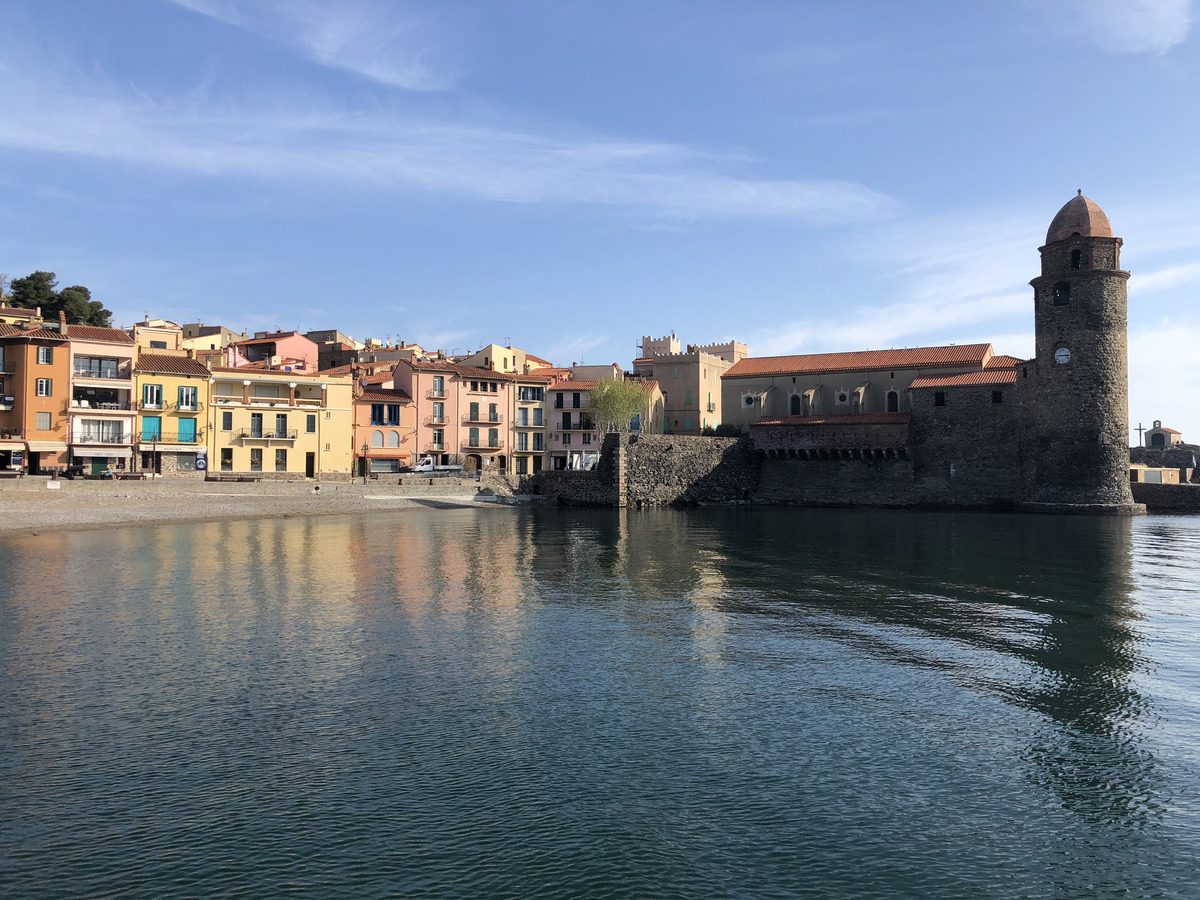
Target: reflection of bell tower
1078,403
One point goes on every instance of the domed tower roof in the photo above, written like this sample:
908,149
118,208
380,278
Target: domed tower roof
1079,216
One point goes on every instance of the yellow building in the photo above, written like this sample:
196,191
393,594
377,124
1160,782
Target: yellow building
173,396
281,425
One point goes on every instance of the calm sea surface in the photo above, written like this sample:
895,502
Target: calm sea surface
518,703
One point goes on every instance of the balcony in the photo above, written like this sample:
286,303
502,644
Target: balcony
11,434
271,437
434,448
435,420
7,401
578,426
169,406
97,437
712,407
172,437
482,445
90,406
482,419
434,394
103,373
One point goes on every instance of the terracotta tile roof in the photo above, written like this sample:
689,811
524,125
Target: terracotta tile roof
896,418
573,385
95,333
862,360
19,312
1167,430
987,376
380,377
545,363
1003,362
392,396
476,372
41,334
336,371
173,365
256,370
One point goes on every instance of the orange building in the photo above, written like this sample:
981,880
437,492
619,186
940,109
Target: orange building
385,430
35,391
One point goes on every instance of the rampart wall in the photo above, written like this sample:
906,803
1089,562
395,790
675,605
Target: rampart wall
1183,498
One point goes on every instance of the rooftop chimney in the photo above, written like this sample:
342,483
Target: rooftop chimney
62,322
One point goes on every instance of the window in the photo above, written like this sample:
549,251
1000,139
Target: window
280,460
893,401
45,387
256,425
687,423
227,420
281,425
439,385
45,356
635,424
1062,294
538,442
493,415
537,417
531,394
1075,259
188,398
43,421
185,462
493,437
152,396
522,416
474,414
522,465
187,431
492,387
794,405
523,440
256,459
475,386
566,421
439,413
687,398
575,400
997,396
226,459
439,439
393,440
939,398
89,367
377,414
677,371
376,438
310,424
558,400
393,414
473,437
587,437
151,428
158,345
567,439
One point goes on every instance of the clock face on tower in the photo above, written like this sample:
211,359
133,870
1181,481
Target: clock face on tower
1062,356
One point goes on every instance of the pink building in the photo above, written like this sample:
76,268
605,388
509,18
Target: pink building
385,430
461,412
285,350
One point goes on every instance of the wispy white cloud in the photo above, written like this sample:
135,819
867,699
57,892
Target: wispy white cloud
1164,279
379,41
1129,26
576,349
384,149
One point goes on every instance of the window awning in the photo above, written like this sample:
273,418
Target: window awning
45,446
12,445
103,453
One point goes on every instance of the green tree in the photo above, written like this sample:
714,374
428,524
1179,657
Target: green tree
40,289
613,402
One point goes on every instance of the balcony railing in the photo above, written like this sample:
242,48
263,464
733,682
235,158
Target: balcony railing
435,420
172,437
433,394
101,375
11,434
7,401
266,434
171,405
482,419
434,448
101,406
468,444
578,426
91,437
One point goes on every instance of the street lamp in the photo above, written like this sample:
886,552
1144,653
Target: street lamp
365,448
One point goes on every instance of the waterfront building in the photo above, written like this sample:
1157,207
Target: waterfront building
690,380
286,350
280,425
574,439
102,414
385,429
173,399
527,429
198,336
35,380
462,412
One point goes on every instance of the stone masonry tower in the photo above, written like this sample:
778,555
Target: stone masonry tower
1076,391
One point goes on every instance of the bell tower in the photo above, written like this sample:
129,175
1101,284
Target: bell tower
1077,402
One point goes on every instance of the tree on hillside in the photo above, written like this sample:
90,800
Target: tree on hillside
40,289
612,403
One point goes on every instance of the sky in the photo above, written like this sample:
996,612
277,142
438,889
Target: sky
570,176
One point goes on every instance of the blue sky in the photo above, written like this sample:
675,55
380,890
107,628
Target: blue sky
799,176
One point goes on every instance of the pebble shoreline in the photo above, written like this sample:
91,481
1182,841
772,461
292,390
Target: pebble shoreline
29,507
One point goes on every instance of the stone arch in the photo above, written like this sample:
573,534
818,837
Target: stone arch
796,405
1158,440
893,401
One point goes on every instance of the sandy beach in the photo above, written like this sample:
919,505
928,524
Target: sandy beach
28,506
